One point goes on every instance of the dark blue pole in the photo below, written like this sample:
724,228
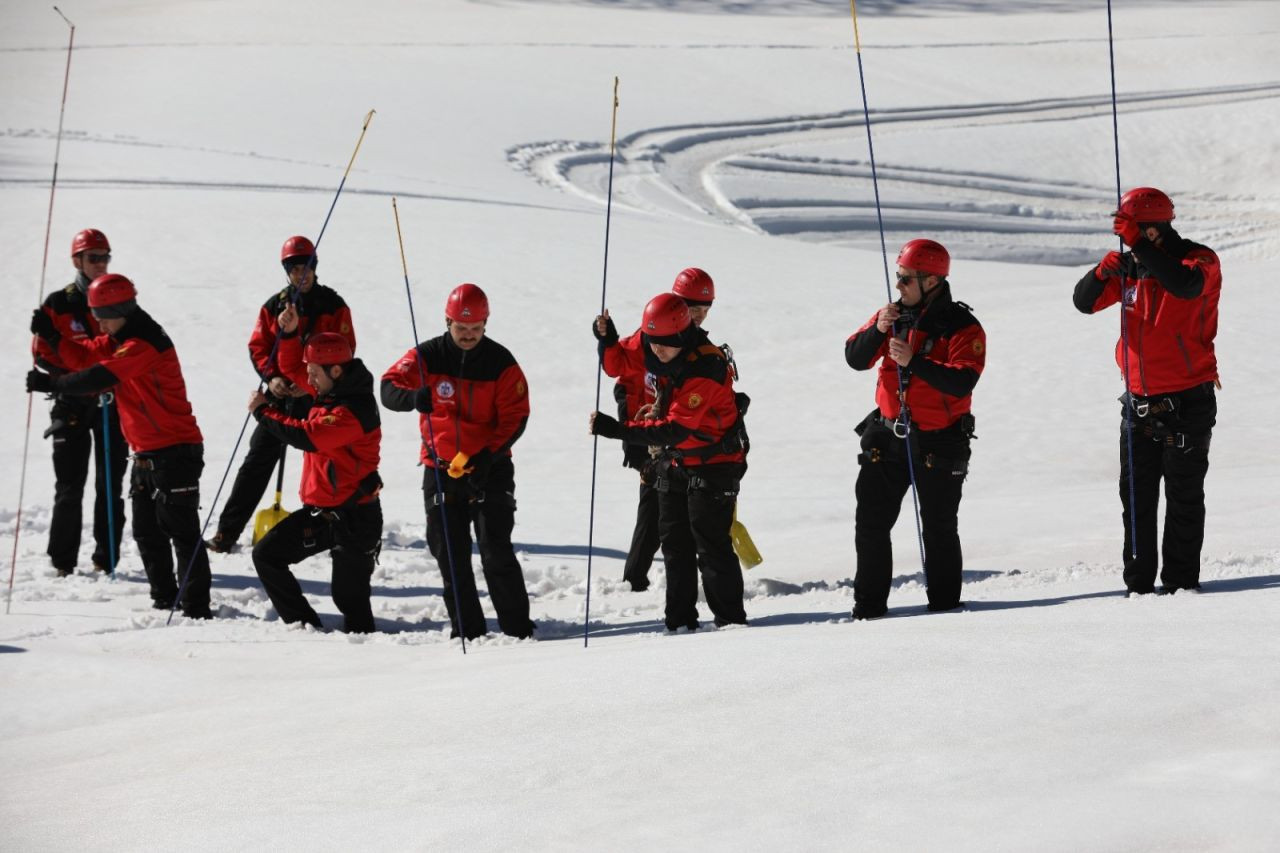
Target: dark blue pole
105,402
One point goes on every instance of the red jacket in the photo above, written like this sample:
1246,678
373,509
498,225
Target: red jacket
340,438
141,366
69,310
1171,311
320,309
624,361
950,353
480,399
697,392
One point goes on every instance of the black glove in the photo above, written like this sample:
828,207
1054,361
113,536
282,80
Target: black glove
480,463
610,336
605,426
39,382
422,400
42,327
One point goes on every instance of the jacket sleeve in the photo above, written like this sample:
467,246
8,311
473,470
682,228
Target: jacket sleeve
400,381
866,346
626,356
44,354
1092,294
261,343
966,358
291,431
111,363
691,411
289,361
512,402
1183,278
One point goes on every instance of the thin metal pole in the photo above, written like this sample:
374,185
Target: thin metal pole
1124,316
104,401
595,439
431,435
44,265
904,411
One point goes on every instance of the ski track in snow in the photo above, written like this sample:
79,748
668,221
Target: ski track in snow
738,173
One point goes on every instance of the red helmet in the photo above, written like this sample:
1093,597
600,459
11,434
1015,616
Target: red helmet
297,247
926,256
111,289
89,238
665,315
467,304
695,285
328,348
1147,204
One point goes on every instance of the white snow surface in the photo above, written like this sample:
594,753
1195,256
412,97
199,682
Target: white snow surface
1053,714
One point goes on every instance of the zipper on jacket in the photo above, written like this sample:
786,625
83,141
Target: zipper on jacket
1182,346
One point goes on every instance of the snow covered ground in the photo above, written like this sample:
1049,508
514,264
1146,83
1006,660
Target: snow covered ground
1054,714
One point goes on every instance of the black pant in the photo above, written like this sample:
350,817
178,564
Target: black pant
353,537
76,429
941,460
644,539
491,507
255,472
166,520
695,511
1173,445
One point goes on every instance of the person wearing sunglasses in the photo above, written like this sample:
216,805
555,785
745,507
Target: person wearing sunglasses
76,423
306,308
1169,287
930,352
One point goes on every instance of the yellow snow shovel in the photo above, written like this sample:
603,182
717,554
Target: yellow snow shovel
742,544
274,514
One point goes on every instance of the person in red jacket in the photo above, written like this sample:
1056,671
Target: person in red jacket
698,425
1169,287
634,392
76,423
340,439
135,359
930,350
473,402
316,309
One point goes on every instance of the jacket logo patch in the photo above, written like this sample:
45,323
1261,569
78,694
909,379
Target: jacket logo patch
444,389
329,420
346,329
695,400
520,388
77,326
1130,294
978,347
123,350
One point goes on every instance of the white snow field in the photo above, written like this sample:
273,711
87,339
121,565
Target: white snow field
1053,714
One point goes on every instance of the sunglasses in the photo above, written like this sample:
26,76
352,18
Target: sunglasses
904,277
98,259
291,264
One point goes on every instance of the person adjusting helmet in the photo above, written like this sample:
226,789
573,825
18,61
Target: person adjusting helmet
76,421
929,352
136,361
302,309
340,436
472,401
1168,289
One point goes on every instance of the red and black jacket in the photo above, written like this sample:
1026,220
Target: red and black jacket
636,386
950,353
700,407
69,309
480,398
141,366
1171,311
341,438
320,309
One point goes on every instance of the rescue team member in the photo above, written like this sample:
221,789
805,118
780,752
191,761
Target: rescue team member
135,359
634,394
1169,287
341,513
319,309
473,402
696,422
930,352
75,423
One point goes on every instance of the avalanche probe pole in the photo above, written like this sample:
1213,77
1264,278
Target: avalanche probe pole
595,439
1124,317
904,411
44,265
275,346
431,435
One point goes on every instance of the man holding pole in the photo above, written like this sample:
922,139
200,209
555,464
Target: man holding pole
473,402
930,351
76,423
319,309
1169,289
